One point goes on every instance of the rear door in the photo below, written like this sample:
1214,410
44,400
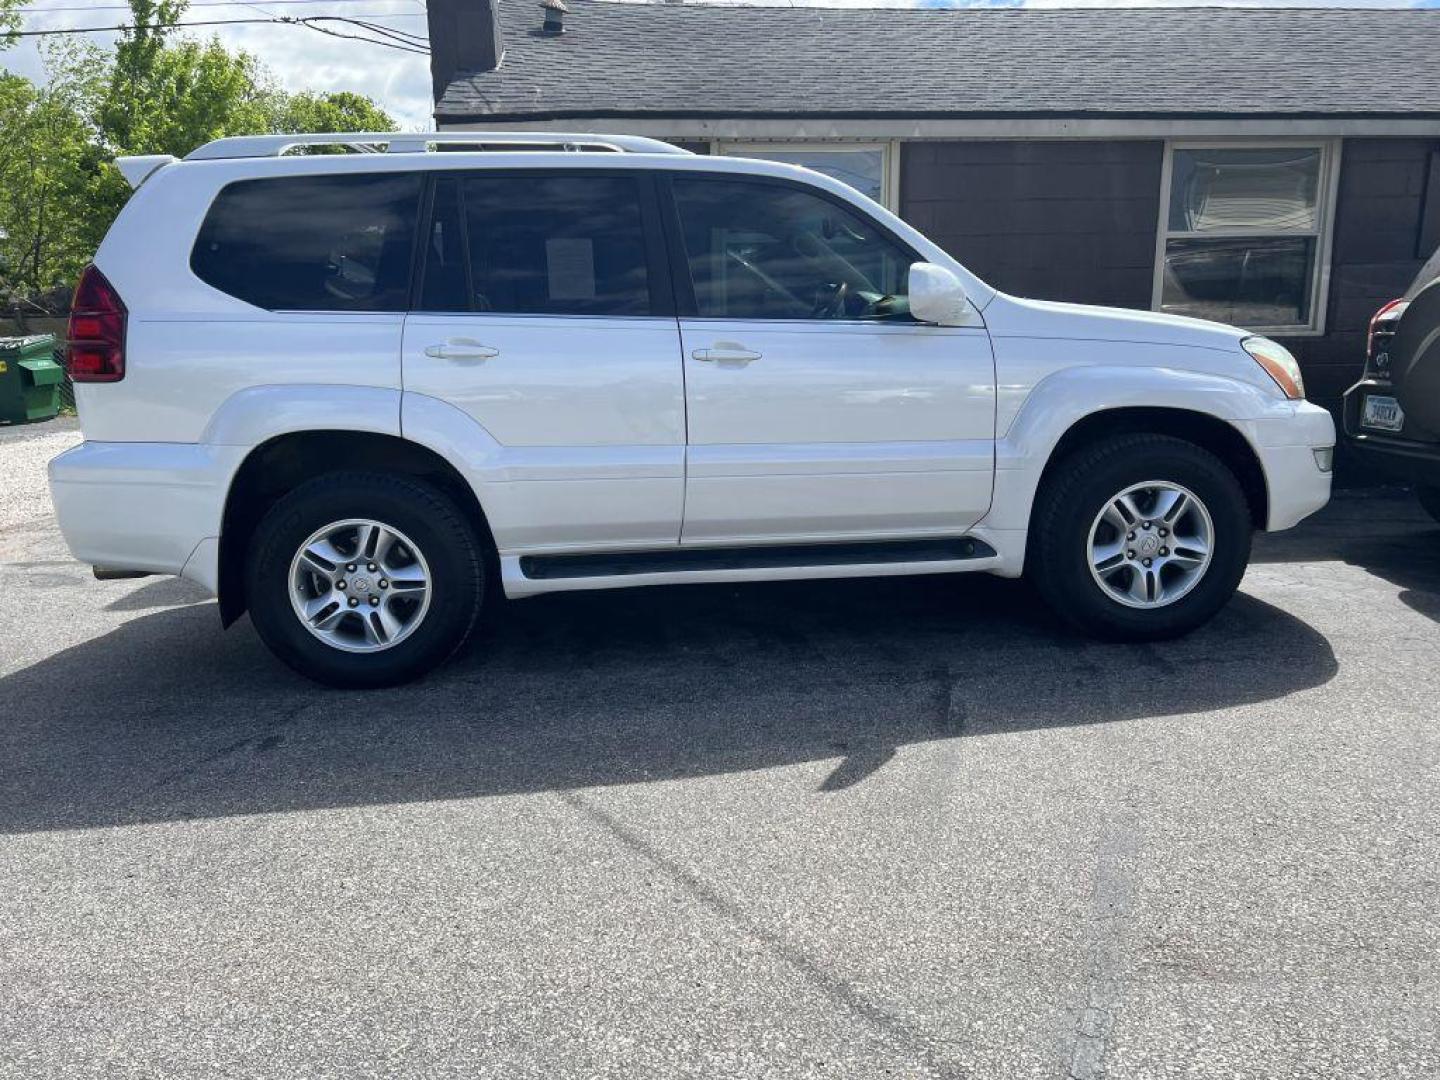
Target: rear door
818,408
544,312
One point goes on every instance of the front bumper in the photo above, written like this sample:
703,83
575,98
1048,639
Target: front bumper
155,507
1296,484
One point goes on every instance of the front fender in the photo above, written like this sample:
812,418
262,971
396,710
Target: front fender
1063,399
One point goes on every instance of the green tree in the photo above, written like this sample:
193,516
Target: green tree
153,94
49,172
9,22
337,111
167,97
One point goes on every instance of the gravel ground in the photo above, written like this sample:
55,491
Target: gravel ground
24,450
899,828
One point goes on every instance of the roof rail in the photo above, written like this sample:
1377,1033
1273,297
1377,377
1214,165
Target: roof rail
405,142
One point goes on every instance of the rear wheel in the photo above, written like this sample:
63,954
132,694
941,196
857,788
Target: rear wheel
1429,498
364,579
1139,537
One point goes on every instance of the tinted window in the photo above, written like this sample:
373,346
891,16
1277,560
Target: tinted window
312,243
537,245
768,251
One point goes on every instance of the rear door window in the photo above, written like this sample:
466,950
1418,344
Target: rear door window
312,243
537,245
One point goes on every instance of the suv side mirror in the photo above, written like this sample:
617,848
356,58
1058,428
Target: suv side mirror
936,295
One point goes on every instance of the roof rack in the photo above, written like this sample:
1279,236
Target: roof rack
396,142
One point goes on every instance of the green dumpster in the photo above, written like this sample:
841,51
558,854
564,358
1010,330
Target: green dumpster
30,379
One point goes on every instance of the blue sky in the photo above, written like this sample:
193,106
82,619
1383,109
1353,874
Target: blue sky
304,59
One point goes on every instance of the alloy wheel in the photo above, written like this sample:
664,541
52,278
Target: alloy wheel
360,585
1150,544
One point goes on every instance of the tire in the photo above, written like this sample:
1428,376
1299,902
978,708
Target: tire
1075,504
410,628
1429,498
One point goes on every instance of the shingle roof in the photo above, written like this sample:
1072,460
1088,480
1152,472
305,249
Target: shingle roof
632,60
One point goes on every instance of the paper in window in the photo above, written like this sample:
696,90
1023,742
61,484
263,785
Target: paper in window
571,265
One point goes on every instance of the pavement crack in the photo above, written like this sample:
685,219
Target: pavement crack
262,742
951,715
1112,901
900,1034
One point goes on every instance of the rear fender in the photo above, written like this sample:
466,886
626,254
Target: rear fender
253,416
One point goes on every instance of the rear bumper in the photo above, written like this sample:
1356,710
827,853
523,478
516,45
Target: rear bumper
144,506
1391,455
1296,484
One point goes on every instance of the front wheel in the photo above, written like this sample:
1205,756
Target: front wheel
1139,537
362,580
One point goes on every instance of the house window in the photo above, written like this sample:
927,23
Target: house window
867,167
1244,234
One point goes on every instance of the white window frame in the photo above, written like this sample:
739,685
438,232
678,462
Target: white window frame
889,157
1323,233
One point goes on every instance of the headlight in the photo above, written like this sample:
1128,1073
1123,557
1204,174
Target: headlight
1278,363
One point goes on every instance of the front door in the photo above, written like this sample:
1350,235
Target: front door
818,408
545,315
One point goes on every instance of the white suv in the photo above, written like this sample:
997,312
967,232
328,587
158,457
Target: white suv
353,392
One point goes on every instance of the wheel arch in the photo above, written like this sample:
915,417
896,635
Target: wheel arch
283,462
1203,429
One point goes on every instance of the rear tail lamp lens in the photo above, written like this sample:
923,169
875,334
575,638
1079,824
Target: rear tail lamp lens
1388,315
97,331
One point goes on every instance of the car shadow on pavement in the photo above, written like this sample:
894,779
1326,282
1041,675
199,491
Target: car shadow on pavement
1382,534
169,718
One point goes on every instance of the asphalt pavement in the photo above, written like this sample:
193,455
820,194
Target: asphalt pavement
892,828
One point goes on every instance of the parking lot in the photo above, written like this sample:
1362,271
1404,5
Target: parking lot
885,828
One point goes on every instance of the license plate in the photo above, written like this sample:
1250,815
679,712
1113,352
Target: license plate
1382,414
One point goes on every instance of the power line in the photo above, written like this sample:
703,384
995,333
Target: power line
308,22
212,3
390,31
399,44
151,26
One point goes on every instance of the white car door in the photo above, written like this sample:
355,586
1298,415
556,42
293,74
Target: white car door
545,314
817,408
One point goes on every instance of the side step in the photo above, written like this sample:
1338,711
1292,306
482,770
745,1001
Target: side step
778,556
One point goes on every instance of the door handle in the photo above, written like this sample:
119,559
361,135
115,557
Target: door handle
726,352
461,349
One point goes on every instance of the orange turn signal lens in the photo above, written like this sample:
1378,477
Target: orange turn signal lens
1279,364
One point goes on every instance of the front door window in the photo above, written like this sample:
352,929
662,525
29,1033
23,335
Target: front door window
773,251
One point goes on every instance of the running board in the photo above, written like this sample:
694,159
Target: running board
774,557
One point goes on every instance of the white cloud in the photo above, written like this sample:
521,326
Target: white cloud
300,58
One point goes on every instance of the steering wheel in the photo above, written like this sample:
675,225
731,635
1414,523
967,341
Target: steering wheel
766,281
830,301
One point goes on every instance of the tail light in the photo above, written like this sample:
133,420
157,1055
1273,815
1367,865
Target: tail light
1382,329
97,330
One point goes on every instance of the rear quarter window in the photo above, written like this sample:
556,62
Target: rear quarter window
312,243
